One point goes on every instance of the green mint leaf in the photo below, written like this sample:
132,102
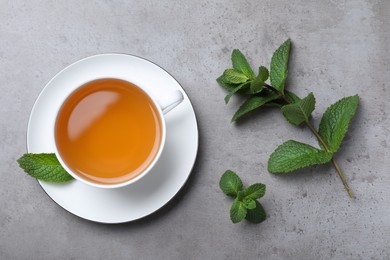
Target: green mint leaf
233,76
230,183
257,84
252,103
294,98
263,74
293,155
241,64
249,203
279,66
237,211
256,215
335,121
300,111
255,191
221,81
44,166
241,195
235,90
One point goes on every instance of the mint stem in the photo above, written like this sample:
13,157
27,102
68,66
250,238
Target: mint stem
336,166
342,177
319,138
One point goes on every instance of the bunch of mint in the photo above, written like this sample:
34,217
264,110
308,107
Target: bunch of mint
245,204
291,155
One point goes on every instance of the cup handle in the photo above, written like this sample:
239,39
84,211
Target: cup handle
170,100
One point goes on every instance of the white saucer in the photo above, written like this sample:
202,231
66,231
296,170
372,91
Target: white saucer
157,187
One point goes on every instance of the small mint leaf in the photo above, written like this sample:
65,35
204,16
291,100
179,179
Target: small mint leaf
241,64
249,203
237,211
230,183
241,195
279,66
233,76
300,111
257,84
255,191
44,166
293,155
256,215
263,74
294,98
225,85
252,103
335,121
235,90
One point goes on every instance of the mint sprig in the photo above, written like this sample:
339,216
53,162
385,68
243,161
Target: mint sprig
291,155
44,166
245,204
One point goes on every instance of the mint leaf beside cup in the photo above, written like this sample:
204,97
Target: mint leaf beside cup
44,166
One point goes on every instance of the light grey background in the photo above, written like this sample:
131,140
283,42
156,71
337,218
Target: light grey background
340,48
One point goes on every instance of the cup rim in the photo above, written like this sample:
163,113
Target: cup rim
139,176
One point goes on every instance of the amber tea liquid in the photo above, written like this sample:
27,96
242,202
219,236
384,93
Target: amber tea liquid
108,131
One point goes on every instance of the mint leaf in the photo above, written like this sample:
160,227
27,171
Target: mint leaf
293,155
279,66
256,215
230,183
335,121
235,90
241,64
44,166
241,195
255,191
252,103
249,203
228,86
300,111
257,84
293,98
233,76
237,211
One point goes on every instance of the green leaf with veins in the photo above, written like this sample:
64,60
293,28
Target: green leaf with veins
233,76
235,90
254,191
44,166
256,215
249,203
293,98
293,155
252,103
230,183
279,66
237,211
335,121
257,85
228,86
300,111
241,64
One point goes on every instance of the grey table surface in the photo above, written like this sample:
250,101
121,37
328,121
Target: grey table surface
340,48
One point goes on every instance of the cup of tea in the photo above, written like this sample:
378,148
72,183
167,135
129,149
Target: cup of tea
110,133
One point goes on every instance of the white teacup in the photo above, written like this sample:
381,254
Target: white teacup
163,104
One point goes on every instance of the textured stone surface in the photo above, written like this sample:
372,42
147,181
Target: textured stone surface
340,48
